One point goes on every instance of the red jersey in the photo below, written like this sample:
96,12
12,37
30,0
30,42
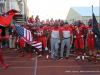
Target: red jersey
41,30
31,20
79,30
55,32
37,20
89,28
0,33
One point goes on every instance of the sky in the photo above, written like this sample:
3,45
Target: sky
56,9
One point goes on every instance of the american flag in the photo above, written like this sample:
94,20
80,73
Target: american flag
27,36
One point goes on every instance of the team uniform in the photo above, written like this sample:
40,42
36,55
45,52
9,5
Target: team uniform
31,20
79,41
43,38
90,38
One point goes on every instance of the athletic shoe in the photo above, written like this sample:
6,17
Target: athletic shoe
16,49
98,55
46,48
52,59
49,51
4,67
39,56
36,52
47,57
60,58
29,55
84,54
22,55
95,62
55,57
77,58
72,50
88,60
67,58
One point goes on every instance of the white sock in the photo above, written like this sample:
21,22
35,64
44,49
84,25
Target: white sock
78,57
82,57
1,46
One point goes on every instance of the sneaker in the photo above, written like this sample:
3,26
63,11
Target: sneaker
52,59
36,52
77,58
84,54
60,58
16,49
95,62
88,60
6,66
49,51
55,57
39,56
72,50
46,48
67,58
47,57
29,55
22,55
75,52
98,55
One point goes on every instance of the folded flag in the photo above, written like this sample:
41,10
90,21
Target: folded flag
27,36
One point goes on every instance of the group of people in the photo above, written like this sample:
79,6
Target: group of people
56,34
59,34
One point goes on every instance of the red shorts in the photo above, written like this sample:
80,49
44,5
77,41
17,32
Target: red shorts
90,43
79,43
43,40
22,42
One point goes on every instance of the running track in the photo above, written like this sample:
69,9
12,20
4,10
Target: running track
41,66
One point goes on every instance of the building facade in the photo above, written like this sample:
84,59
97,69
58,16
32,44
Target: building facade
82,13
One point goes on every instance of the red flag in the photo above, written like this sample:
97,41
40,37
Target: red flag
5,19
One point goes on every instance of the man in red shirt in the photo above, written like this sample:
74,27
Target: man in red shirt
1,57
67,35
90,41
42,30
55,40
31,19
79,42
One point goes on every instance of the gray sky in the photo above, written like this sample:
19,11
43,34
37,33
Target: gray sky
56,8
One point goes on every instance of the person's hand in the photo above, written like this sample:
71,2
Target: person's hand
86,42
71,42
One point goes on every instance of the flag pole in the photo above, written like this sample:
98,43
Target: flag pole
92,21
99,11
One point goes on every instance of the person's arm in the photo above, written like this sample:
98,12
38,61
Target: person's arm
45,33
48,35
71,39
60,37
86,38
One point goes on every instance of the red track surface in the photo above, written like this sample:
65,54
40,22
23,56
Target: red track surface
26,66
